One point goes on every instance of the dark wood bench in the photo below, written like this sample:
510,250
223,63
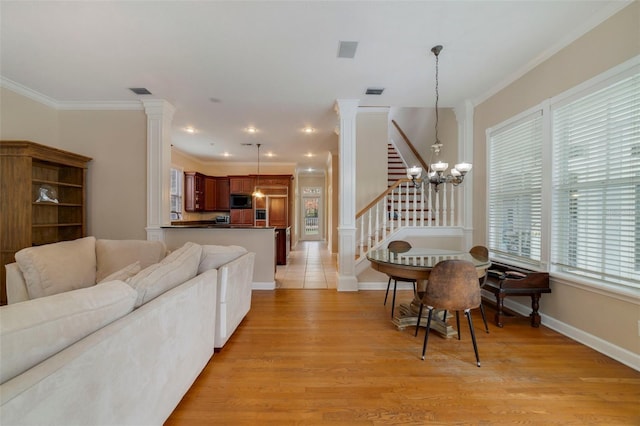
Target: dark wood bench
505,280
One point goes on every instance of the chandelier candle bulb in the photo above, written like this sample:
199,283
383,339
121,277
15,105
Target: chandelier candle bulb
455,172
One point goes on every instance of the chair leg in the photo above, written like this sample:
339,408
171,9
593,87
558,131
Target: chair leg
473,336
387,293
426,334
458,323
395,285
419,317
484,318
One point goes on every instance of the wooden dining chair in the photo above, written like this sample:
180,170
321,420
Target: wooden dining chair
481,252
397,246
453,286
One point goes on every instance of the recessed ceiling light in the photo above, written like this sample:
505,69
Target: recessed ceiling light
189,129
226,154
270,154
309,154
308,130
251,129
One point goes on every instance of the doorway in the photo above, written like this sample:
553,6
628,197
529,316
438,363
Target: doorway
312,229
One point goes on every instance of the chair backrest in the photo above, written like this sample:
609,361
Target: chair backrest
479,252
453,285
482,253
399,246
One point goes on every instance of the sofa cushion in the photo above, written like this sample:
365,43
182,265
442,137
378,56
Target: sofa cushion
34,330
113,255
214,256
124,273
178,267
58,267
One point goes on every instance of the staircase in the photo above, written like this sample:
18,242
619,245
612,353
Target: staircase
403,204
396,168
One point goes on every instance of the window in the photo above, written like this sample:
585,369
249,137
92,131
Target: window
596,182
176,194
515,189
564,183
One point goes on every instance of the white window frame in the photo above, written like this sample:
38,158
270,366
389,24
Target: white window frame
177,193
622,291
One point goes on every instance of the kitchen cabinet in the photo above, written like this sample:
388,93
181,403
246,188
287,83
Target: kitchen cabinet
222,193
283,245
277,211
43,198
194,191
241,216
210,194
241,185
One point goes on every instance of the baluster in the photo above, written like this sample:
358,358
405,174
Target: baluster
393,209
422,205
384,203
414,203
362,235
444,203
452,206
406,204
377,233
368,230
437,208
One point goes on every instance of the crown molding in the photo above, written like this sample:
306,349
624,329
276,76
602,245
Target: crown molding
69,105
589,25
27,92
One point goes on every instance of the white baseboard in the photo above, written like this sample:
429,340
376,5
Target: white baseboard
622,355
270,285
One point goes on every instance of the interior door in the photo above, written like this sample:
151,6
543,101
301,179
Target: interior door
312,214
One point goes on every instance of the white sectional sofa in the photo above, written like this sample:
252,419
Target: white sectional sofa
120,351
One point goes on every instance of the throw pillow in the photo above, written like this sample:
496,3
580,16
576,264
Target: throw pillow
58,267
35,330
113,255
178,267
124,273
214,256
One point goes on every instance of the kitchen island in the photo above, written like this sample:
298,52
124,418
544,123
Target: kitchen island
257,239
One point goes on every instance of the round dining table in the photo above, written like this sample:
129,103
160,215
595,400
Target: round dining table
416,264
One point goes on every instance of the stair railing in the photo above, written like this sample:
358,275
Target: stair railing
403,205
411,147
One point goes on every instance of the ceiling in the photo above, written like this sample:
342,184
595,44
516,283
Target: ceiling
229,65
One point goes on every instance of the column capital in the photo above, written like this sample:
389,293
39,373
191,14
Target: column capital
158,108
347,108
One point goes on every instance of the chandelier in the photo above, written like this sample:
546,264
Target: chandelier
438,174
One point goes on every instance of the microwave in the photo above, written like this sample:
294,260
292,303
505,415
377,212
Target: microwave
240,201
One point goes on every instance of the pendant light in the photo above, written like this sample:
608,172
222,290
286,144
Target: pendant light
256,190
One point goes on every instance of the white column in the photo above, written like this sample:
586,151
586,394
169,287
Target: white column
159,115
347,110
464,117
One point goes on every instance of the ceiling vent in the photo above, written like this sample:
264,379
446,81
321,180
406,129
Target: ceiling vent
140,91
347,49
374,91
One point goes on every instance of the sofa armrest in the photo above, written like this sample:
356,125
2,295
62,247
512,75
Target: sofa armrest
16,285
235,283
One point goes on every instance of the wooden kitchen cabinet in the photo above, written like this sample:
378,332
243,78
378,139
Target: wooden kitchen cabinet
241,216
194,191
241,185
277,211
222,193
210,194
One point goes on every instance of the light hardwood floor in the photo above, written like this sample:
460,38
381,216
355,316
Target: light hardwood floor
322,357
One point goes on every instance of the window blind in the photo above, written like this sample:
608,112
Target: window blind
515,189
176,194
596,183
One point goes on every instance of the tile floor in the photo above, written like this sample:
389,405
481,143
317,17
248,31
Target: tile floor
310,265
